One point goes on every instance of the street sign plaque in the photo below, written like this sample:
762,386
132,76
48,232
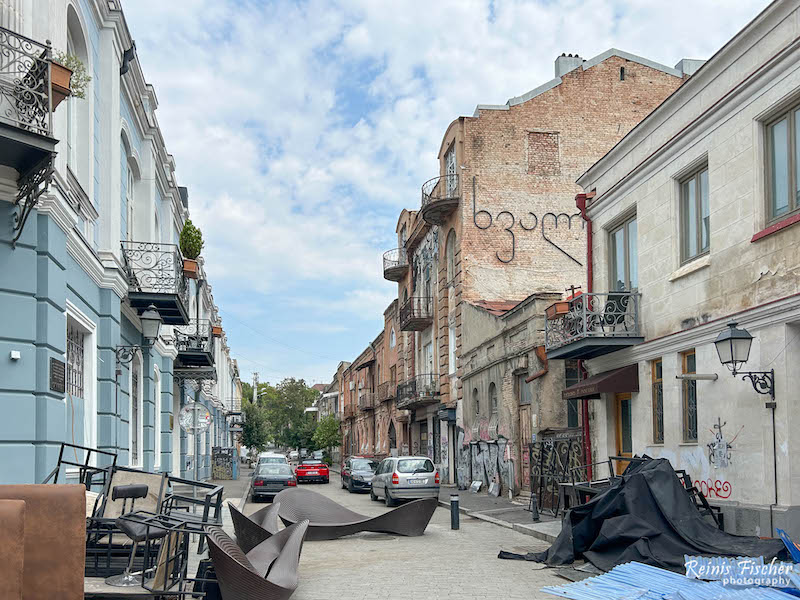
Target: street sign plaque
195,418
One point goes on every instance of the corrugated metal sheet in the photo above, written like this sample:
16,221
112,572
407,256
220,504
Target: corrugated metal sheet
636,581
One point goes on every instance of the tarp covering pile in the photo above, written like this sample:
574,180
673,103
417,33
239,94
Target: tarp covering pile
646,516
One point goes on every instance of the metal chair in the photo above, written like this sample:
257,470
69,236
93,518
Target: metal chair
137,532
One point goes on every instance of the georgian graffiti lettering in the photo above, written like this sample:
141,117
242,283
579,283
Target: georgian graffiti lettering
714,489
548,223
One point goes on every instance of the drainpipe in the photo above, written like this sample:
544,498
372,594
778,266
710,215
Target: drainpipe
580,202
542,356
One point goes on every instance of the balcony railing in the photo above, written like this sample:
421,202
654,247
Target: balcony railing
421,389
195,344
348,411
440,196
416,314
155,276
366,400
25,100
395,264
386,391
591,325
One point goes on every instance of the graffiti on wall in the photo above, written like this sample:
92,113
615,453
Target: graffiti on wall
719,449
487,461
547,225
714,489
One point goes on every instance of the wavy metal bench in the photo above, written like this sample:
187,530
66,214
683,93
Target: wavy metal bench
329,520
254,529
267,572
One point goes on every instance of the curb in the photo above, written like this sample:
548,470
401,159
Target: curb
518,527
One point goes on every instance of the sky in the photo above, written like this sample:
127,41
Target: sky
302,129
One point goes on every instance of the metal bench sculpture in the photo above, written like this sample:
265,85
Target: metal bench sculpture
329,520
254,529
267,572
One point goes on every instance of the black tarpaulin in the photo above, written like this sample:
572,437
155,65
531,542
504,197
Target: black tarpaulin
646,516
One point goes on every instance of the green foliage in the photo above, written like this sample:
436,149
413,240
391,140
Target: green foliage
254,430
191,241
80,78
327,433
288,425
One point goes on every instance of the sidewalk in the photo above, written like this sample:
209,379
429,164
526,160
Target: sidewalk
500,511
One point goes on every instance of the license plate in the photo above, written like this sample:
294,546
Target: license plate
416,481
313,473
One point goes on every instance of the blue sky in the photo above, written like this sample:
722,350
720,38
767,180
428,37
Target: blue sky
303,128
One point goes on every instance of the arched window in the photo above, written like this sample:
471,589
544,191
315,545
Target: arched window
130,187
77,111
493,398
392,339
476,404
450,251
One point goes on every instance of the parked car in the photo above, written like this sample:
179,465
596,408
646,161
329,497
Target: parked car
271,458
312,470
317,454
271,478
405,478
294,455
357,473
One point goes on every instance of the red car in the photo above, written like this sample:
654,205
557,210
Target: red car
312,470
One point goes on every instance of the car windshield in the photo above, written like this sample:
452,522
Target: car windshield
274,469
364,465
272,460
414,465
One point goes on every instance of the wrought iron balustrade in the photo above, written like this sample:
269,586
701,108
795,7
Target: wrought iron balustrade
416,313
366,400
446,187
418,389
194,337
593,316
25,99
155,268
395,264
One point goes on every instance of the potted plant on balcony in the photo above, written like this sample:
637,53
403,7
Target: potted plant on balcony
216,330
557,309
191,242
68,77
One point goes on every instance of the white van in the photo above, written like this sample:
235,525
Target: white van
271,458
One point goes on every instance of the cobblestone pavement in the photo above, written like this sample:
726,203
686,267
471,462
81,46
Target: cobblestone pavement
442,564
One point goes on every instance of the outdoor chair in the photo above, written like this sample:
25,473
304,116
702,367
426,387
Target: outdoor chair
329,520
254,529
136,532
267,572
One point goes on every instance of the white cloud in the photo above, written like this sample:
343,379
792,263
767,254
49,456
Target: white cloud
302,128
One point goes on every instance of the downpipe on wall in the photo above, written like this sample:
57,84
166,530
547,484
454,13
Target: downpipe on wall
580,202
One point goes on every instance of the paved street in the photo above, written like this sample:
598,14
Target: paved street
441,564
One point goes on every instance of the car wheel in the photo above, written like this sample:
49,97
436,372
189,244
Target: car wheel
344,486
350,486
372,495
326,480
390,502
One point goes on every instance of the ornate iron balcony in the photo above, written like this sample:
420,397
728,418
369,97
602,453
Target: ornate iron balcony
25,100
195,344
395,264
591,325
416,314
366,400
418,390
155,276
386,391
440,197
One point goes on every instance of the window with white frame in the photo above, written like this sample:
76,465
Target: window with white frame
392,338
624,261
695,219
129,198
783,165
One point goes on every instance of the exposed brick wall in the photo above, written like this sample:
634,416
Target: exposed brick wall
543,157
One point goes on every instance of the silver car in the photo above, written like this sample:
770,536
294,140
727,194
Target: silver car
405,478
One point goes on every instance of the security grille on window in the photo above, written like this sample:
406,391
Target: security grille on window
689,398
695,233
783,162
658,402
75,340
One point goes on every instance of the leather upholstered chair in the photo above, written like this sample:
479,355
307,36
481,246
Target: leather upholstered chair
12,548
54,542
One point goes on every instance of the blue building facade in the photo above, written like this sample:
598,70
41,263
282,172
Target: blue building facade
90,215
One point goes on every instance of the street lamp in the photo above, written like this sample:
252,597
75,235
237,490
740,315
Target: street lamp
733,348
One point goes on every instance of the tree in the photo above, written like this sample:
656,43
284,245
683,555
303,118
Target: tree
254,429
288,425
327,433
